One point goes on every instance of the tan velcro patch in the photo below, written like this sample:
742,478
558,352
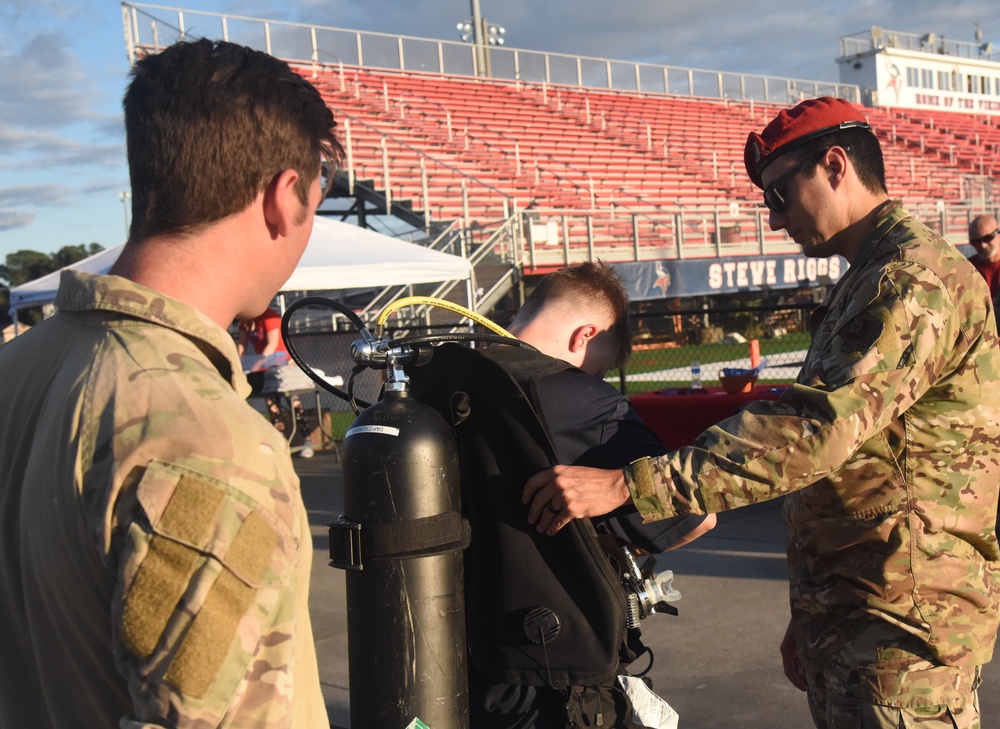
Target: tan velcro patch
210,638
641,483
192,510
202,532
208,641
250,554
168,566
155,592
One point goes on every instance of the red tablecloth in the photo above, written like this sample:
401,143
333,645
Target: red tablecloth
678,415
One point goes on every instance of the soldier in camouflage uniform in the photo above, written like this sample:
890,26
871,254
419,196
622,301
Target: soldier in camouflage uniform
888,446
156,550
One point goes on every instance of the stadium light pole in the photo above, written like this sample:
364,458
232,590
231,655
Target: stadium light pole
125,197
477,30
482,34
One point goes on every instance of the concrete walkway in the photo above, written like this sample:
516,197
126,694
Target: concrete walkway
716,663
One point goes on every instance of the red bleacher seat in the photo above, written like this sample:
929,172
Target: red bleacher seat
565,147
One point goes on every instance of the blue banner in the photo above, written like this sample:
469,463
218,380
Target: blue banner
650,280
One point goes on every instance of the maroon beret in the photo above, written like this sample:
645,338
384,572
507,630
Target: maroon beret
793,127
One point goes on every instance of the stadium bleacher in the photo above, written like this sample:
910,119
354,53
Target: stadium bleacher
474,148
629,161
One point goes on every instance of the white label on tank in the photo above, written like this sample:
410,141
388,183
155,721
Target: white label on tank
380,429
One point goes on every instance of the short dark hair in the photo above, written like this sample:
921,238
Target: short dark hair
585,284
209,125
863,149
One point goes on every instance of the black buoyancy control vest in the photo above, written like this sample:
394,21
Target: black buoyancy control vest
542,610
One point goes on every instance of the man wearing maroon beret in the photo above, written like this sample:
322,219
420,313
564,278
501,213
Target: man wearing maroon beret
887,446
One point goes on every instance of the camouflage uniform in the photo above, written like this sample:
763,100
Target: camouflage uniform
156,548
888,447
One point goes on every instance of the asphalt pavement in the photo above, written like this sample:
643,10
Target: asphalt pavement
716,663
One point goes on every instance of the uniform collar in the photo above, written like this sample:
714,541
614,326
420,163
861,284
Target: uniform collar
891,214
87,292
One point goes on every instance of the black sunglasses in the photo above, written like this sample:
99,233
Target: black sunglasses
327,177
985,238
774,194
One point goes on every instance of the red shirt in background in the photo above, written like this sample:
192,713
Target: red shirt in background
990,271
256,331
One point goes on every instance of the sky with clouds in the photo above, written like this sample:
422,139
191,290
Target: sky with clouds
63,70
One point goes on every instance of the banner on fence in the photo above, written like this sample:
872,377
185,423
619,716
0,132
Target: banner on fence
649,280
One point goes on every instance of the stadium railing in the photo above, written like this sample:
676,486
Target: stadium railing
155,26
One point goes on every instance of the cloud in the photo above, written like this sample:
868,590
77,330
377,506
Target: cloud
105,186
15,12
30,149
35,195
13,219
44,86
19,204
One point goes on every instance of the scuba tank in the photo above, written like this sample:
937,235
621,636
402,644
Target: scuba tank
400,540
401,537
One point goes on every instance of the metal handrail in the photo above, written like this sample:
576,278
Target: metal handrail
643,131
518,61
421,153
877,38
490,145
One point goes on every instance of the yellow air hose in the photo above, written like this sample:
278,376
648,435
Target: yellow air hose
430,301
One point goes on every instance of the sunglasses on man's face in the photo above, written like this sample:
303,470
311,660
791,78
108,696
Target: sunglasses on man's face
775,193
327,173
985,238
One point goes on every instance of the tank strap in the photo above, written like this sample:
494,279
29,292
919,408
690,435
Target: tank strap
350,544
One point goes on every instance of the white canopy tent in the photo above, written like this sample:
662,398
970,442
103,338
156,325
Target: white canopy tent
339,256
43,290
345,256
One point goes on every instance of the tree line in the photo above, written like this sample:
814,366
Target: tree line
23,266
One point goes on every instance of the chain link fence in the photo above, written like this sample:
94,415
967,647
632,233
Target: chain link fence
671,343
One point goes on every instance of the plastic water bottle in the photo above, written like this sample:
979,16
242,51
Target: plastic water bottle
307,449
695,375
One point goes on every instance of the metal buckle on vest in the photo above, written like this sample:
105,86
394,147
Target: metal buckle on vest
345,544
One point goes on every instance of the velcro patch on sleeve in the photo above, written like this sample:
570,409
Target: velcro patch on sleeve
169,566
154,594
249,555
206,554
210,638
192,509
641,482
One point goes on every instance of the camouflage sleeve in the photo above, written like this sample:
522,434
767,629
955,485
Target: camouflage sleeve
204,602
898,333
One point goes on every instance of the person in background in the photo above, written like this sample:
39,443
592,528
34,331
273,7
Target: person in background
156,550
262,334
984,236
887,447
